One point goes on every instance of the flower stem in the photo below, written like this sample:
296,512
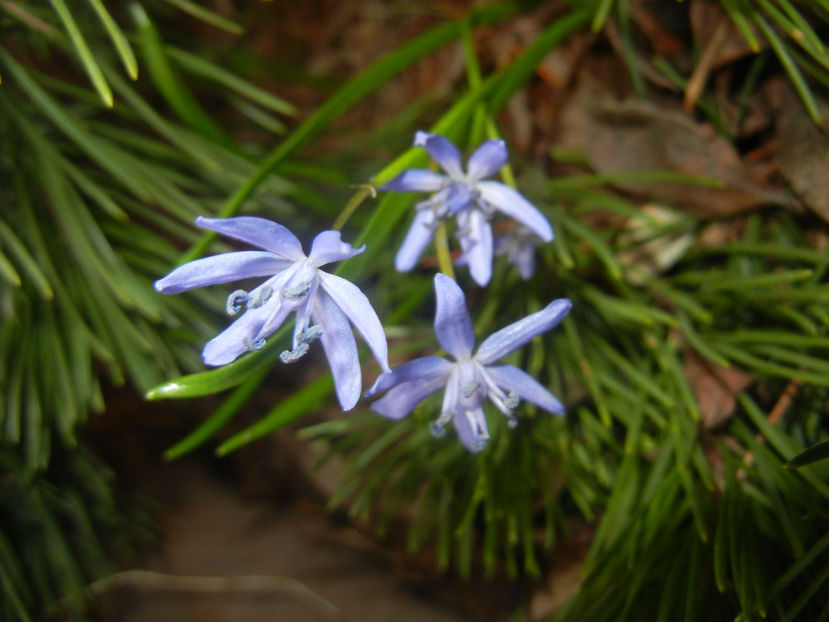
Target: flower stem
365,191
442,247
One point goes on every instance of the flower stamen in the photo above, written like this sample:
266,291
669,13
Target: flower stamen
296,293
310,334
513,400
470,389
292,356
436,426
235,301
260,297
253,346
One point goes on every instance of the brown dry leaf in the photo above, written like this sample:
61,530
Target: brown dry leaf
715,388
705,16
630,135
803,154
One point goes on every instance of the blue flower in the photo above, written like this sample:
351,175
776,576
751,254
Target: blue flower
519,247
472,377
463,195
324,303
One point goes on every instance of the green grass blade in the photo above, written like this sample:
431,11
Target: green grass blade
819,451
523,67
779,441
731,7
169,84
601,15
84,53
205,69
7,271
219,379
118,39
603,252
207,16
291,408
25,261
219,418
789,66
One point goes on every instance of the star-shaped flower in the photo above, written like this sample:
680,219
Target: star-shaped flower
472,377
324,303
468,197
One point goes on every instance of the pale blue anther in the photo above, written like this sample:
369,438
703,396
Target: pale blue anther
291,356
436,430
436,427
260,297
310,334
235,302
513,400
296,293
470,389
253,346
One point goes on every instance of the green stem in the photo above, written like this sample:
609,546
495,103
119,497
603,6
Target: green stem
442,247
365,191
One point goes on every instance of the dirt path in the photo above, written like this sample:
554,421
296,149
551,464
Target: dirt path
226,558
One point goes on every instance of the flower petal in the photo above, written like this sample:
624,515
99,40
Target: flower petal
511,378
425,368
327,247
298,273
442,151
513,204
486,160
240,336
416,180
357,308
258,232
471,428
418,237
523,258
221,269
515,335
453,327
476,242
457,197
340,350
402,399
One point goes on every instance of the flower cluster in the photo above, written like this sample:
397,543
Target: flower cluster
327,306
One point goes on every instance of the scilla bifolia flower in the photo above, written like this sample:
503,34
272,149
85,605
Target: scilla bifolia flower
467,197
324,303
472,377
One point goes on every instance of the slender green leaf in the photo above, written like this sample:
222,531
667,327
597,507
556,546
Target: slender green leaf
207,16
819,451
311,396
87,59
205,69
118,39
170,84
783,55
